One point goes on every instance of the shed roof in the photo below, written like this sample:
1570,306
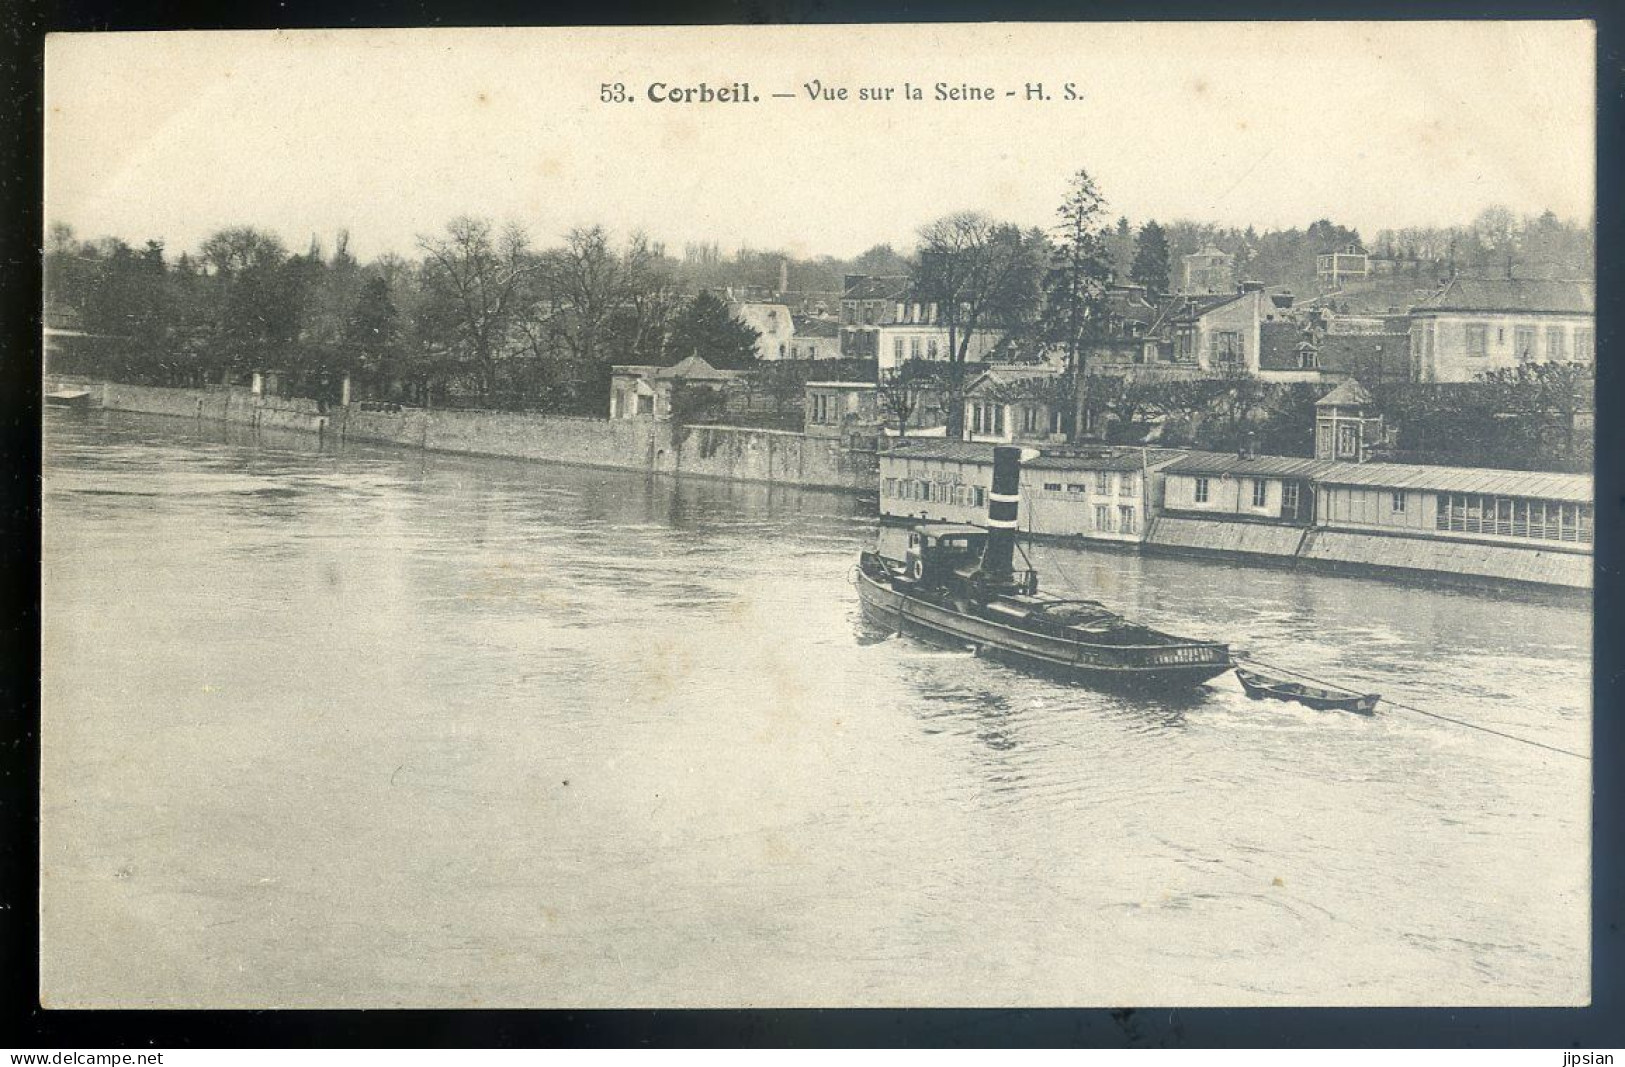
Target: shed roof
1249,466
1076,459
1349,395
695,368
1539,485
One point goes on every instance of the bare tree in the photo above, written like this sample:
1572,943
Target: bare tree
980,274
902,391
484,278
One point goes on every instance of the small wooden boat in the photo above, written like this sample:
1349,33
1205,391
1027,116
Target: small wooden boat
1259,686
69,398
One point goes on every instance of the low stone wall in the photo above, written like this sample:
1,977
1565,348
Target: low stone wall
1462,559
775,456
724,452
1175,533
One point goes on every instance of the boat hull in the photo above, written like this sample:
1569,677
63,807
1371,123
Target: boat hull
1260,687
1101,666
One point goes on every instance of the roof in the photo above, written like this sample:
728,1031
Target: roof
1068,459
812,326
1249,466
696,369
1514,294
949,529
1278,345
1360,353
1011,373
883,287
1540,485
1196,306
1350,394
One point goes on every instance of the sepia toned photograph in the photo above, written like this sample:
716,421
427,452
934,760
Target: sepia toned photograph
955,515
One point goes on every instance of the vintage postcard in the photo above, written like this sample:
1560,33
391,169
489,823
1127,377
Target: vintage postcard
899,515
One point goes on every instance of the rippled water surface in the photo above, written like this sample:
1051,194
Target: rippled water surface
365,727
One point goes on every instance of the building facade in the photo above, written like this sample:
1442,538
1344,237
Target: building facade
1478,325
1226,335
842,410
772,321
1216,485
638,391
1335,269
1103,494
1016,403
1209,271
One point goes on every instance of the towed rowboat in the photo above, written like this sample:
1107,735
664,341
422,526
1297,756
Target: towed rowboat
1260,686
79,399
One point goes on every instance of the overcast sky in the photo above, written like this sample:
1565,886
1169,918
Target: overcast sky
391,133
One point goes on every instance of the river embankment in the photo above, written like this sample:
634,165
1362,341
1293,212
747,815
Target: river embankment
732,453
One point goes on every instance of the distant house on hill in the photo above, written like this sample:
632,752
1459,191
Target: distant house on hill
1475,325
1209,271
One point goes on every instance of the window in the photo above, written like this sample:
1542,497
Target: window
1523,343
1103,482
1074,487
1396,502
1128,483
1583,346
1029,420
897,348
1555,349
1261,495
1052,487
1500,335
1289,499
1512,517
646,405
1477,340
998,419
1125,519
931,348
891,486
914,348
1225,348
1348,441
1055,420
978,497
1201,490
1103,518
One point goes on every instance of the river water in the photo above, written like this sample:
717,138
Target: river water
367,727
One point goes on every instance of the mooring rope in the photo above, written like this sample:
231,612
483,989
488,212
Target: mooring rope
1418,711
1390,703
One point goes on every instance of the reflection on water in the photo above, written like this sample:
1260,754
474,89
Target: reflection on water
355,726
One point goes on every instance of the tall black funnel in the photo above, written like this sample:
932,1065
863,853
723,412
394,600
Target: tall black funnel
1003,506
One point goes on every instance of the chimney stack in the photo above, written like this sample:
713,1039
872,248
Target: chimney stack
1003,507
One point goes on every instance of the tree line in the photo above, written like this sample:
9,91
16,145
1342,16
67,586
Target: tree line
483,316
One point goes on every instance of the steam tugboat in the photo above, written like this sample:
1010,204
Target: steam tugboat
958,583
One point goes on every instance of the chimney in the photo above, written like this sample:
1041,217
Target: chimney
784,276
1003,506
1246,449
